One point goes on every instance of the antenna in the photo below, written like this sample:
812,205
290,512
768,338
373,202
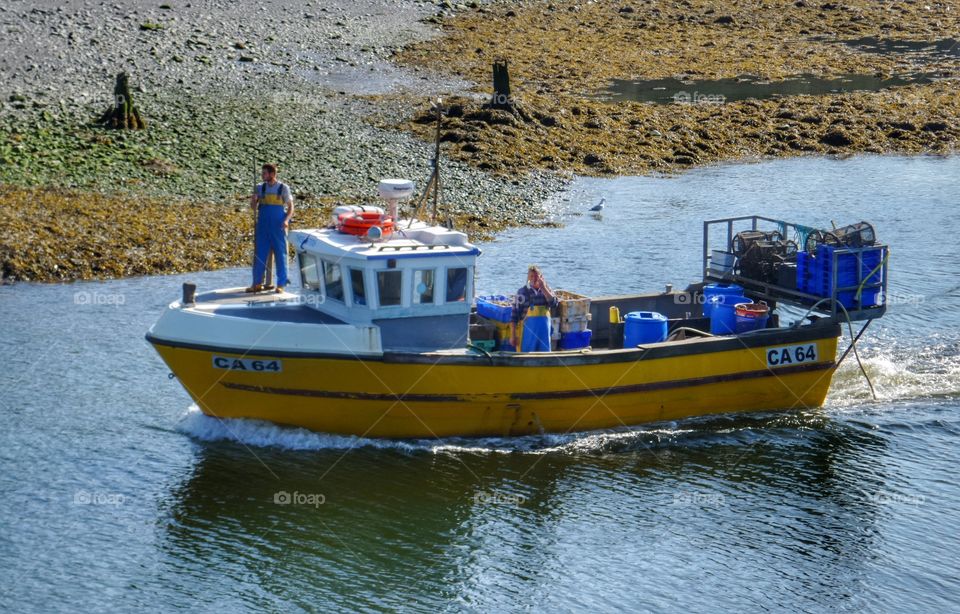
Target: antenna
434,183
436,158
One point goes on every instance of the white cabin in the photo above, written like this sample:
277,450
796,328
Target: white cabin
416,285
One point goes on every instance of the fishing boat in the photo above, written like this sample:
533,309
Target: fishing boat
384,337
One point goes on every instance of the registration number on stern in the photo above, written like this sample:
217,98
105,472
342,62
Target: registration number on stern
247,364
792,355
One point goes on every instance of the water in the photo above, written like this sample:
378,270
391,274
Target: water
911,49
718,91
118,495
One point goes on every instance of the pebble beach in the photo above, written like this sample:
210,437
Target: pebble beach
223,87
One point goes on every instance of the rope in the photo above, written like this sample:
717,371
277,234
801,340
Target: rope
853,338
803,233
477,348
856,354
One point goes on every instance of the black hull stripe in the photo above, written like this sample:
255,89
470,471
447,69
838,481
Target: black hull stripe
521,396
354,396
668,384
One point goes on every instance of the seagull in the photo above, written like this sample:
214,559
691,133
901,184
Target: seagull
599,205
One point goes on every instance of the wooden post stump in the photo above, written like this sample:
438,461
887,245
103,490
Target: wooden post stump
124,114
501,86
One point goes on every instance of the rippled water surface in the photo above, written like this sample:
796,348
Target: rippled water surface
117,494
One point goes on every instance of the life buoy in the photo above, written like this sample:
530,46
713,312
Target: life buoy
359,223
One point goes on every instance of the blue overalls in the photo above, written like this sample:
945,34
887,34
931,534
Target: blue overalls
270,235
536,330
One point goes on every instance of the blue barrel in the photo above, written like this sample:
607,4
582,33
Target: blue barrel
644,327
718,290
724,318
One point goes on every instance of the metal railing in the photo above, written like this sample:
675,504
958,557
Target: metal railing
761,289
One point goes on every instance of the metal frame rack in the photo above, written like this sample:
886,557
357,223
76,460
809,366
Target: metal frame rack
764,290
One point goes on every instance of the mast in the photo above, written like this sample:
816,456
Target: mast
436,159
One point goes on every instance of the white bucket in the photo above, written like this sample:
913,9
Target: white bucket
721,263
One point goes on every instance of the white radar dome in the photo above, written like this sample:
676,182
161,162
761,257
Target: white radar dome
395,189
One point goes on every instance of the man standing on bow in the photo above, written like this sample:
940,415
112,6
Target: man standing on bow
273,205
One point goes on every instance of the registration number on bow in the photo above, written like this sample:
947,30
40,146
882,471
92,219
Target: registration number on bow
792,355
247,364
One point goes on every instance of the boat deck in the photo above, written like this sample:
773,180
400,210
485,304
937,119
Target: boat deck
237,296
268,306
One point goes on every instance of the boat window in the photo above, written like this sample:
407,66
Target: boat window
309,272
388,287
423,286
456,285
333,280
356,286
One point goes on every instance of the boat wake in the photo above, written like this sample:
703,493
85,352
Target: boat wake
258,433
930,372
263,434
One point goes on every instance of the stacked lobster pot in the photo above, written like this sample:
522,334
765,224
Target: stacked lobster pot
572,326
761,255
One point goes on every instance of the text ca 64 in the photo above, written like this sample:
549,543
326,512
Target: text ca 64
792,355
247,364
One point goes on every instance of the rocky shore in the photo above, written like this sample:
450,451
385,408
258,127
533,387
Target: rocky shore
223,87
64,235
564,55
338,93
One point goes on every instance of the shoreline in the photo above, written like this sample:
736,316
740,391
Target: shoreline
227,243
341,97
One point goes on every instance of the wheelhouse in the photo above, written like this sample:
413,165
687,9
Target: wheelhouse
417,287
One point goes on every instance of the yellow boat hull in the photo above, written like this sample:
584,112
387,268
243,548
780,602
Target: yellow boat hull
437,396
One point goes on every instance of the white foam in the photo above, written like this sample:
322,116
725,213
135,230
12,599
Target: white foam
259,433
933,372
584,443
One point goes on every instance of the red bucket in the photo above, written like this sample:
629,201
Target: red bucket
753,310
751,316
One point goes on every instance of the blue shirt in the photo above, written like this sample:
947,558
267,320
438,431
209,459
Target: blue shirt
528,297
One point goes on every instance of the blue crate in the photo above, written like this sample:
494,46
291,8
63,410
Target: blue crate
492,311
869,298
575,341
819,274
806,272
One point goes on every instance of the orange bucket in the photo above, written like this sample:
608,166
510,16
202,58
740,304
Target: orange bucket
751,316
752,310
